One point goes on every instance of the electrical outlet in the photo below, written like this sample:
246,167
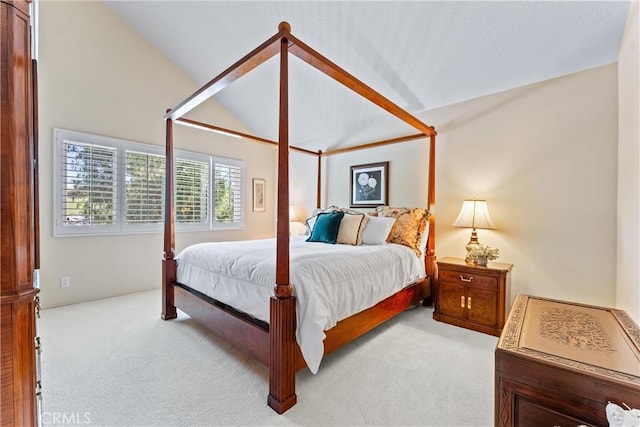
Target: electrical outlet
65,282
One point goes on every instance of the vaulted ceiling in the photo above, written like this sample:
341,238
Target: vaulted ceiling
420,54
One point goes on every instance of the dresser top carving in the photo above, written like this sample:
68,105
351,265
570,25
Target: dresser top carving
575,328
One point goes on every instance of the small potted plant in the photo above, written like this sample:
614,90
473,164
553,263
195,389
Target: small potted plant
480,254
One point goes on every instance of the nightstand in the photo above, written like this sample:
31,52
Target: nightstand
473,297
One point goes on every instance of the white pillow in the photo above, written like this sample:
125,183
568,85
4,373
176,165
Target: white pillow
377,230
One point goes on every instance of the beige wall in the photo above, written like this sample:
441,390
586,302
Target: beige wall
628,287
98,76
544,156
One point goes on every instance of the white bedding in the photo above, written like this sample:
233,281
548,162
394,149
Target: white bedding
331,282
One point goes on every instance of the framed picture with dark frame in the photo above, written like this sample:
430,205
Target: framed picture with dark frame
259,195
369,185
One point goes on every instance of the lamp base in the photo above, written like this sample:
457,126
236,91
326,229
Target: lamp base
473,242
468,258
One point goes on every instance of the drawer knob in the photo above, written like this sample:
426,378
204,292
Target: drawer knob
464,279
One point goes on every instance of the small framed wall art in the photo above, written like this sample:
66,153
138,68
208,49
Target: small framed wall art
259,196
369,185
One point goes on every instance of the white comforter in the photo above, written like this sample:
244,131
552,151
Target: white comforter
331,282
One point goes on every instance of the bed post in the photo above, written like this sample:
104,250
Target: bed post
282,324
169,274
319,186
430,258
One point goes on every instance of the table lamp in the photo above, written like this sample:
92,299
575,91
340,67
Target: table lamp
292,214
295,226
474,214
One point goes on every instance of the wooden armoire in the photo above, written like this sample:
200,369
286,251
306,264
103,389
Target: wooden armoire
19,396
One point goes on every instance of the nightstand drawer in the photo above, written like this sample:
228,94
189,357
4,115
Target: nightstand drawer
470,279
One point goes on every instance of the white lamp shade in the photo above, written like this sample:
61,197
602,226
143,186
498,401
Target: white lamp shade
292,214
474,214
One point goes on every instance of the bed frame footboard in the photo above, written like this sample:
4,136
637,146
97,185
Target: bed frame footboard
252,336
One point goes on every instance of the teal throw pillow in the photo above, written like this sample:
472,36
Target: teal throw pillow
326,228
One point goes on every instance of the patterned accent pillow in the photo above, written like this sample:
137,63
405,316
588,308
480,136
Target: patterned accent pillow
409,226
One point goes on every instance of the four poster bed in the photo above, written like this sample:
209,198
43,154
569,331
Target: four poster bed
270,336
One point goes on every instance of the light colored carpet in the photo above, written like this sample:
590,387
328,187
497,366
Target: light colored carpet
113,362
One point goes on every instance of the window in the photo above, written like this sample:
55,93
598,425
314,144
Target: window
104,185
144,188
89,181
192,191
228,192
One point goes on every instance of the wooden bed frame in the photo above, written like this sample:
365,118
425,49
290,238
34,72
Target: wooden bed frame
275,344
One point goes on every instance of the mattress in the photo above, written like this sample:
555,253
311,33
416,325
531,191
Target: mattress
330,282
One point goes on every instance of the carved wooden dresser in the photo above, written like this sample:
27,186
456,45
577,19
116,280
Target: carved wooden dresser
559,364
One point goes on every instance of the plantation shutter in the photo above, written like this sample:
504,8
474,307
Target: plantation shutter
228,192
144,188
192,191
105,185
89,184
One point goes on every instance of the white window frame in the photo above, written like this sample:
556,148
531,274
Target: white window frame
121,227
